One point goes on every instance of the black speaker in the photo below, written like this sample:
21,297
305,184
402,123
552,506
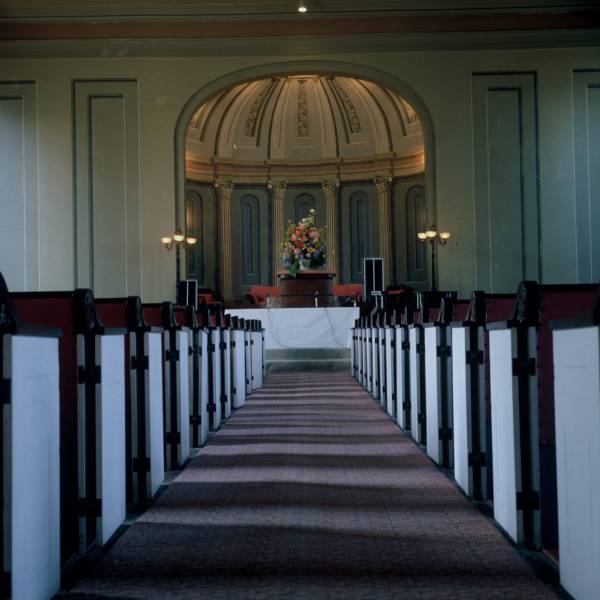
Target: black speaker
373,274
187,293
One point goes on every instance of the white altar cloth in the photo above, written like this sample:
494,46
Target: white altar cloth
291,328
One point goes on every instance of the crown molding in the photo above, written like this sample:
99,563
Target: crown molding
299,45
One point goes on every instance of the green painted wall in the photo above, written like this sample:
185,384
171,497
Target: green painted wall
440,82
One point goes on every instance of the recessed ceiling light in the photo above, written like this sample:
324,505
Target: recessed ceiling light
302,8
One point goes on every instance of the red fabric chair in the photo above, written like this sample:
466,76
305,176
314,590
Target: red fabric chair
258,294
348,290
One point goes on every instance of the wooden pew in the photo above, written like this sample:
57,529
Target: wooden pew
403,366
176,410
522,397
143,395
428,309
238,359
214,406
198,373
224,353
470,392
92,383
576,349
30,554
438,386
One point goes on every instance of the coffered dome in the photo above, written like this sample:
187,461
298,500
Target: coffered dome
304,119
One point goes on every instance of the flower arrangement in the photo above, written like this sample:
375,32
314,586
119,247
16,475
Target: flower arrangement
304,245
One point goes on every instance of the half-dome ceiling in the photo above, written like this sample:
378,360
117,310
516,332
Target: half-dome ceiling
304,118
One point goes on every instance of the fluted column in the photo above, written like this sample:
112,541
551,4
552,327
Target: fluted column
330,189
382,184
278,226
224,190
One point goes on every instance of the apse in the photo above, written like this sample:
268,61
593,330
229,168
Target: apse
264,152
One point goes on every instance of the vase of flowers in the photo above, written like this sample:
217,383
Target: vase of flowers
303,246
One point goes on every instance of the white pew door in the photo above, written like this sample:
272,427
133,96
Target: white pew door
216,378
461,412
239,368
226,375
204,392
414,383
390,371
110,434
431,337
257,376
183,391
577,401
154,411
248,350
401,379
31,507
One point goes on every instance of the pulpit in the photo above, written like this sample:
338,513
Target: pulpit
302,290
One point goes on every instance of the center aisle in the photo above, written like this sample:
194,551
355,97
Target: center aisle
310,491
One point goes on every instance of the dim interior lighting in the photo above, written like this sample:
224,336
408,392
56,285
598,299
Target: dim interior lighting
178,239
432,236
302,8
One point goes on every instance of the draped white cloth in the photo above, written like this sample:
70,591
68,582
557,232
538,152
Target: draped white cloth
291,328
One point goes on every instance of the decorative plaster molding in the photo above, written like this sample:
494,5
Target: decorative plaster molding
350,110
302,128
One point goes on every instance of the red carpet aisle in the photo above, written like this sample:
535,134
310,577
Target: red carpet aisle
311,492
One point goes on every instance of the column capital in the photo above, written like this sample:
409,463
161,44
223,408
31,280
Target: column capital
330,186
277,186
382,182
224,186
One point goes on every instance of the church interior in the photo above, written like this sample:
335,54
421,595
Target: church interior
300,299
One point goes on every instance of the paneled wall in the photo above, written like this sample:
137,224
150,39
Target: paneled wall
300,199
506,180
19,253
410,217
108,216
201,223
586,103
512,172
251,238
359,229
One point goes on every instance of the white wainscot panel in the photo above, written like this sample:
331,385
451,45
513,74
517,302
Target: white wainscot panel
414,384
110,464
432,393
577,398
35,467
183,401
505,427
155,411
460,414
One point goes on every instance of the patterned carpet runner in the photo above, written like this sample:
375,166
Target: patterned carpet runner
310,491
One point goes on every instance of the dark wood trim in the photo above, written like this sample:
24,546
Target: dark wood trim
575,19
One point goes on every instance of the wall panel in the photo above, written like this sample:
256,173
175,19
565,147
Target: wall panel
105,127
586,104
19,254
505,180
250,221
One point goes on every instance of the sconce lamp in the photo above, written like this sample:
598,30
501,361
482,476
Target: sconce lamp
432,236
179,239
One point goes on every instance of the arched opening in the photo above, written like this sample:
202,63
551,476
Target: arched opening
353,143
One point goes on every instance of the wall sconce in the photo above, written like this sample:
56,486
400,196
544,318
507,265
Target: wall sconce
433,237
178,239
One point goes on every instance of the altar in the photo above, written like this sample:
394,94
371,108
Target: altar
297,328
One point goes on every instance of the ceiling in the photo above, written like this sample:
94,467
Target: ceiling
272,9
306,118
